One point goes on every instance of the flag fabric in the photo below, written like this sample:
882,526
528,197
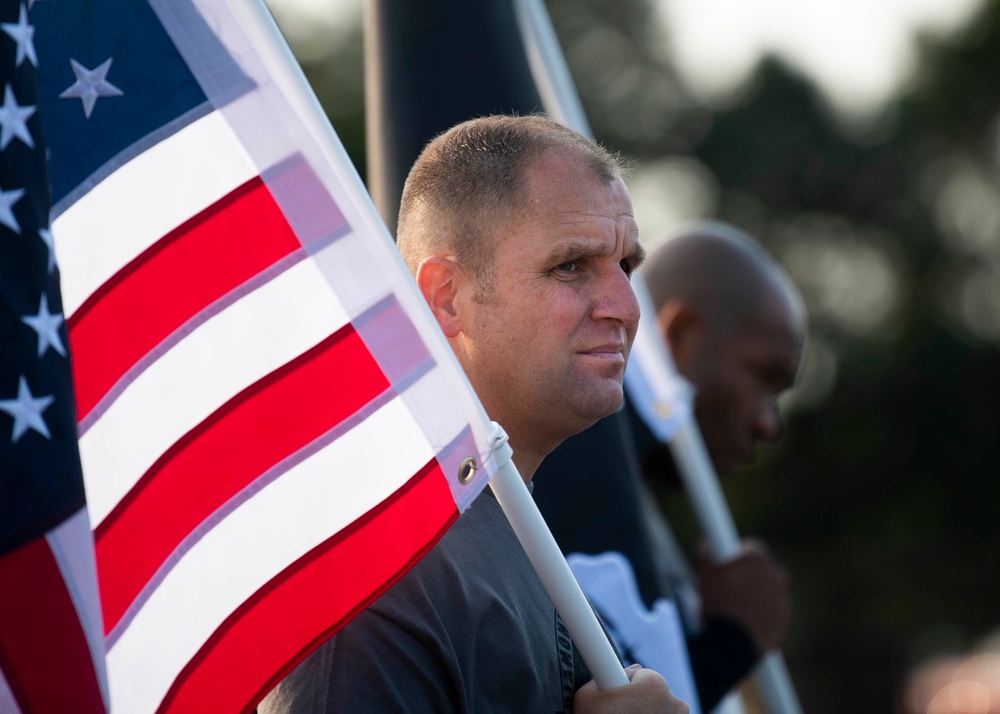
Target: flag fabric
50,627
272,427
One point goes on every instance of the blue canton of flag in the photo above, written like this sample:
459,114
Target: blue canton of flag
49,621
113,84
41,481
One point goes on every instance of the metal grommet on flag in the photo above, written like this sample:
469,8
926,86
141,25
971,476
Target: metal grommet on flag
467,470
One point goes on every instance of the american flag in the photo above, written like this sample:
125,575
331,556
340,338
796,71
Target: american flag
50,626
271,425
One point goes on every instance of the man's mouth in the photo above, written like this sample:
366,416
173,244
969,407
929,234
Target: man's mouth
615,351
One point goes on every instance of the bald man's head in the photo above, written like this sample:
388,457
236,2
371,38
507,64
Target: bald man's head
716,268
735,325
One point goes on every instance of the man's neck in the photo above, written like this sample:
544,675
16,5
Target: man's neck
529,451
526,463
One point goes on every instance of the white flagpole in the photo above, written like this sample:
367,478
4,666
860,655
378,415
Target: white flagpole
555,574
716,521
700,480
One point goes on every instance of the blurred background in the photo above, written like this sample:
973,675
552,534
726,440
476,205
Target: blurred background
860,141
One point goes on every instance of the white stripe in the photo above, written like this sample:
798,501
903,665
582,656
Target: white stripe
143,201
306,505
230,351
72,546
8,705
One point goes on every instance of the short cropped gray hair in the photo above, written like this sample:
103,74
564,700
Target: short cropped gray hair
468,181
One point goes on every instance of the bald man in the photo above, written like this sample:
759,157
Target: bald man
521,238
735,325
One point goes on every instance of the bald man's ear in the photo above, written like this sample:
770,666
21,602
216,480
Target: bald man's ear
438,279
684,331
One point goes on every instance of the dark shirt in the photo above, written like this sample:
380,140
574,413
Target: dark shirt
468,629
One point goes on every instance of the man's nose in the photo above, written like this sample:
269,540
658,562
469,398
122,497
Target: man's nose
616,300
767,424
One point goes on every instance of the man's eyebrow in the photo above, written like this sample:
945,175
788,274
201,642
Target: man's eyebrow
578,248
593,247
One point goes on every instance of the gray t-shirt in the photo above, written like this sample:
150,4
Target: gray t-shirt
468,629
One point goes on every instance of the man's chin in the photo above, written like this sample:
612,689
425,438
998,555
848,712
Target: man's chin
597,409
608,406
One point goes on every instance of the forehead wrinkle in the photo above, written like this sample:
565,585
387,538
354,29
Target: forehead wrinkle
583,247
608,227
576,215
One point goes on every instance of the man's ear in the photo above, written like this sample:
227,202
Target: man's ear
439,279
683,329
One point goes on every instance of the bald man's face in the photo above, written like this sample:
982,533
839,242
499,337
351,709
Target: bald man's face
739,369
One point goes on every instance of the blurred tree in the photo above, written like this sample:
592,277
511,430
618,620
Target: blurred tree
330,51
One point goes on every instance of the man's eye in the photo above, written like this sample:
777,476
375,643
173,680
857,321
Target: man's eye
629,267
567,267
775,378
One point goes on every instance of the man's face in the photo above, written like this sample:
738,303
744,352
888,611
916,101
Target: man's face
742,368
546,350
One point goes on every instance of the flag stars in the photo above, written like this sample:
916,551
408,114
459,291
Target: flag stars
24,35
46,235
7,201
47,326
91,84
14,120
26,411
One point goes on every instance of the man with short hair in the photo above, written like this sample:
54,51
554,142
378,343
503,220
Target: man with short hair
521,237
735,326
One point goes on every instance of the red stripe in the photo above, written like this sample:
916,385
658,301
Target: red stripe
293,407
43,651
287,619
171,282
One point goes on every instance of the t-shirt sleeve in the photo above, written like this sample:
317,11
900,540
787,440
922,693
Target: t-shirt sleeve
372,665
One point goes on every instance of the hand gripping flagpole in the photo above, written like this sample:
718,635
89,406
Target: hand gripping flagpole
548,561
556,87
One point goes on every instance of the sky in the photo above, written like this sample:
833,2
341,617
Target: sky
860,52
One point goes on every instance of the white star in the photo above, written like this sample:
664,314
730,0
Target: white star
27,411
24,35
14,120
7,201
47,326
91,84
46,235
